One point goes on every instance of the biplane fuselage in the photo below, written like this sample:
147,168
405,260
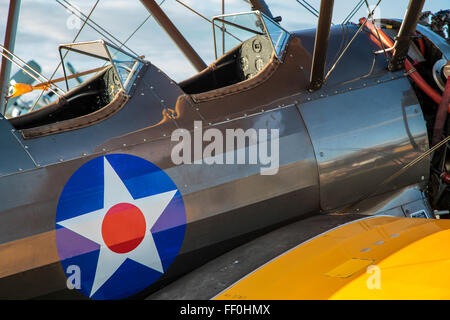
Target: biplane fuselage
337,146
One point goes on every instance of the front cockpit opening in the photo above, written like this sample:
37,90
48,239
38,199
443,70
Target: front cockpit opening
244,44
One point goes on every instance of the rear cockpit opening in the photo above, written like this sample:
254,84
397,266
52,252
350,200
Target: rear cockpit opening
94,75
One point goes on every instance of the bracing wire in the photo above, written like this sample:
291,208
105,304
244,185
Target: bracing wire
314,13
75,38
138,27
353,11
102,31
351,41
309,5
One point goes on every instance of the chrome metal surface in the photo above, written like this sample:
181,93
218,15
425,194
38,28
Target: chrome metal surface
389,203
363,141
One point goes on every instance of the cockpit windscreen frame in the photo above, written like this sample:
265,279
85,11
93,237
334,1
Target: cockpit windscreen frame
220,21
105,55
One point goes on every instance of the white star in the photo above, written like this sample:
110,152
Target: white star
89,225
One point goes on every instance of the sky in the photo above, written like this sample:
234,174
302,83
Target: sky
44,24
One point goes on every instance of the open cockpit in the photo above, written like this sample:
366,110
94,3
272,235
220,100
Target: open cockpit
244,43
107,71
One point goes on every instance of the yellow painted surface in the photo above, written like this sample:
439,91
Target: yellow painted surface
375,258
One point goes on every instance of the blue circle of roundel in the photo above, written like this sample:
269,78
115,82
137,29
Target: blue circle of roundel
86,244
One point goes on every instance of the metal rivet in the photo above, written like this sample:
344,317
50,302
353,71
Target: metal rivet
124,144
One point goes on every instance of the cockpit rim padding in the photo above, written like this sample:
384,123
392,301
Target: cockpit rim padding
87,120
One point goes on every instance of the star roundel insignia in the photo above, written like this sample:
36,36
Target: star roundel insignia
121,220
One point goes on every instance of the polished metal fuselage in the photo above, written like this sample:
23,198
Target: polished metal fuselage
338,146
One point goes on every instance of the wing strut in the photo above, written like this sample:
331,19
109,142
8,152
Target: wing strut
176,35
10,37
321,43
407,29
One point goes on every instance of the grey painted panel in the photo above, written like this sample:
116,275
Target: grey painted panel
13,156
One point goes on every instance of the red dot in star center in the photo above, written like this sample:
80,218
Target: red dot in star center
123,228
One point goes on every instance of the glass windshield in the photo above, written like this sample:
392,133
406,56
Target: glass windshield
82,61
125,65
231,30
